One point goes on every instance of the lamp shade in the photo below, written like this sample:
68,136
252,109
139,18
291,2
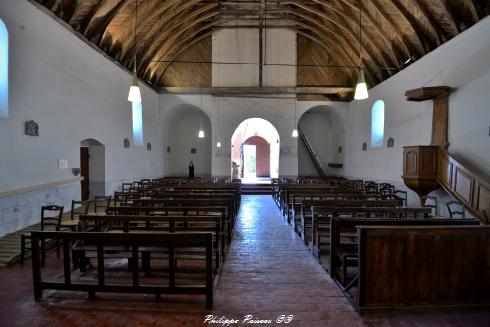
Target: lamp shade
295,133
134,91
361,87
218,145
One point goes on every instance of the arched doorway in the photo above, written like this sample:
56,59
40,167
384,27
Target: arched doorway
92,168
255,148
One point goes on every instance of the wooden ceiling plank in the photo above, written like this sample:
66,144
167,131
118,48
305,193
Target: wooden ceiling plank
370,45
102,29
402,10
165,13
178,24
434,29
387,43
450,16
335,45
403,39
154,52
338,40
101,12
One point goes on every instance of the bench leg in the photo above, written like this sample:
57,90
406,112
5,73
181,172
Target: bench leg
22,249
91,295
43,252
146,263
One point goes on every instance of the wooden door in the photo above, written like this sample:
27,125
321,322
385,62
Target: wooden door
263,151
84,171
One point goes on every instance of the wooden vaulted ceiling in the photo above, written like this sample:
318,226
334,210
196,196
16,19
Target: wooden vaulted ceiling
328,33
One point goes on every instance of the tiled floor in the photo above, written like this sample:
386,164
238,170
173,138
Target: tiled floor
268,273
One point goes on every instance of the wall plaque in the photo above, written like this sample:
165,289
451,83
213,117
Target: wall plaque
31,128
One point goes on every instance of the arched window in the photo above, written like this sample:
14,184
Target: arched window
377,124
4,70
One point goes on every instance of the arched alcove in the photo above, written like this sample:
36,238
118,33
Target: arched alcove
260,133
183,143
324,130
92,168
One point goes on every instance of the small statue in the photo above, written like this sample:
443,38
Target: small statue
191,169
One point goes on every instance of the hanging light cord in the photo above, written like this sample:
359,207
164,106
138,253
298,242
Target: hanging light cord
360,32
135,32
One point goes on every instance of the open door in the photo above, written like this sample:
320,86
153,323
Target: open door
84,171
262,155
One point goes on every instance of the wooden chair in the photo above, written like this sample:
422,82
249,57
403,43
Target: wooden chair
402,195
432,204
101,201
455,208
51,216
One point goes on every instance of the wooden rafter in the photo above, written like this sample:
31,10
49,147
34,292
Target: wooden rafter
392,30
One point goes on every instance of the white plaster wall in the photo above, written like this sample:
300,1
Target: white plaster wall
241,45
74,93
280,48
461,63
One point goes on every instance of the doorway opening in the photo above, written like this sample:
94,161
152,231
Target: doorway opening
255,149
92,168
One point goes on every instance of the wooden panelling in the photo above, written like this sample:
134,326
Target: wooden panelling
411,162
463,185
462,182
423,266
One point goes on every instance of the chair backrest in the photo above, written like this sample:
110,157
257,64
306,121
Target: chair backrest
120,198
101,201
402,195
51,216
78,208
126,187
455,209
431,204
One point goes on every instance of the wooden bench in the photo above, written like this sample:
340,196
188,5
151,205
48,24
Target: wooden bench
200,201
221,211
160,224
415,267
321,216
303,209
136,244
344,250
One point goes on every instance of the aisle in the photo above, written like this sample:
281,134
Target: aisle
269,272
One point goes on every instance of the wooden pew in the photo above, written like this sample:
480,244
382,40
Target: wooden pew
301,204
407,267
221,211
321,216
193,200
136,244
343,254
160,224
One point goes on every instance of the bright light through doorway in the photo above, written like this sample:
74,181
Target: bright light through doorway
249,161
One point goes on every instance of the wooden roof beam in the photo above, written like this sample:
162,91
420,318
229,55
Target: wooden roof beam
426,44
388,44
155,51
450,16
403,40
371,46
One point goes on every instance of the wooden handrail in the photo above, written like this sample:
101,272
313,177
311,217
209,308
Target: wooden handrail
465,183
